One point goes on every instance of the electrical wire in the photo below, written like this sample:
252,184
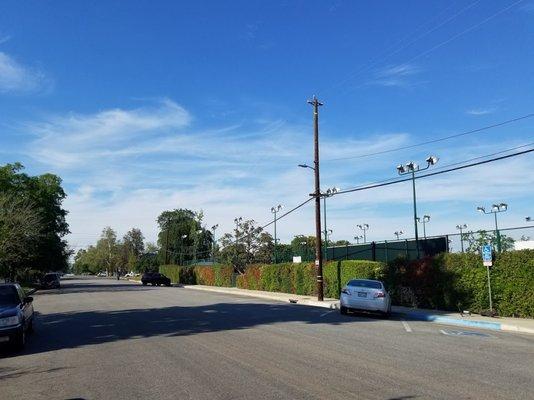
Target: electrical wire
456,135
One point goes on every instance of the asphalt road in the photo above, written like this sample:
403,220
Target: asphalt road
103,339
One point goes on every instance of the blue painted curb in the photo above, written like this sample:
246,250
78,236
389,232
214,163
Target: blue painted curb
452,321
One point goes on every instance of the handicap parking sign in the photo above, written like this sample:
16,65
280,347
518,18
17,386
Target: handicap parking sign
487,255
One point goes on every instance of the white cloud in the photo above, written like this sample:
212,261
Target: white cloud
396,75
481,111
124,166
17,78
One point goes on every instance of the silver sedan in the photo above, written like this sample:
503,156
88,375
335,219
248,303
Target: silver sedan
365,294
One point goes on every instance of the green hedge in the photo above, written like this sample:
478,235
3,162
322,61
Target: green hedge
213,275
448,281
300,278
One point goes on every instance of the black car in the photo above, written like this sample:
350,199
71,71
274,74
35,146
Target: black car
16,315
50,281
155,278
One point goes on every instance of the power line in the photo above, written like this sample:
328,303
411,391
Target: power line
375,185
456,135
385,56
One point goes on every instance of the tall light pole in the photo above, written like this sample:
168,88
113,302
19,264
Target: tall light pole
182,249
237,222
364,228
329,193
424,221
275,210
317,195
213,229
398,233
411,168
358,238
495,209
461,227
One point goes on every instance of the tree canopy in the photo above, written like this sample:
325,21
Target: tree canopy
33,222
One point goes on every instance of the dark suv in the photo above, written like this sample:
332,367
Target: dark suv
155,278
16,315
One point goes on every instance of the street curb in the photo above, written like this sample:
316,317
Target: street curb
450,321
311,303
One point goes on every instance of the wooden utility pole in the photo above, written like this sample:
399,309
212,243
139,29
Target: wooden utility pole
317,194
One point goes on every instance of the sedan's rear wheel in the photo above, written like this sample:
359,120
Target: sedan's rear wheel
343,310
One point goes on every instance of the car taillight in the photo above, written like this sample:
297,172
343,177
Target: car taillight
380,294
346,291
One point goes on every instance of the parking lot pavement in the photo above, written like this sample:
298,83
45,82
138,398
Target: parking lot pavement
103,339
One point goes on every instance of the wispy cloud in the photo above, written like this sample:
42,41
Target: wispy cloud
18,78
481,111
4,39
396,75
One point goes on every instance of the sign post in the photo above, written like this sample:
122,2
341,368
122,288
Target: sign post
487,259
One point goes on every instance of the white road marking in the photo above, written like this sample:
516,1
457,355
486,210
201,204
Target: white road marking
406,326
326,313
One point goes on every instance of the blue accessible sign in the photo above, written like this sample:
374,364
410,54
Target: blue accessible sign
487,255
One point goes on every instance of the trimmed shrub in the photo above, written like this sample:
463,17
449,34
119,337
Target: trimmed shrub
350,269
213,275
178,274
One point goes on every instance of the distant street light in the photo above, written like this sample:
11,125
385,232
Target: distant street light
461,227
424,221
495,209
329,193
411,168
358,238
214,241
398,233
275,210
364,228
528,219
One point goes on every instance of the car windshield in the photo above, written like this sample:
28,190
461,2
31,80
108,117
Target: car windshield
365,284
8,296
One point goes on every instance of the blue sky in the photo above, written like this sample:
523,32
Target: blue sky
143,106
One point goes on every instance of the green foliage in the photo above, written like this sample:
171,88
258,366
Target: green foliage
210,275
475,241
182,239
44,195
300,278
350,269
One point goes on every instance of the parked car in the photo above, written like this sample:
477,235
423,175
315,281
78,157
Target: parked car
50,281
102,274
366,295
155,279
16,315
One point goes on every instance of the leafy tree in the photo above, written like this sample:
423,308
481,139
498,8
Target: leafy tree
304,246
182,239
265,252
475,241
21,227
132,248
43,193
240,247
341,243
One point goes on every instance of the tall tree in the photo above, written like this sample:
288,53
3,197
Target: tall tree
21,227
133,247
182,238
44,193
240,247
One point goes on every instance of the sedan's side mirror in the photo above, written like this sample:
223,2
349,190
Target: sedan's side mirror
27,299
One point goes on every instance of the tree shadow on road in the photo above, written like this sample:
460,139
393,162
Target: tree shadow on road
76,329
92,287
